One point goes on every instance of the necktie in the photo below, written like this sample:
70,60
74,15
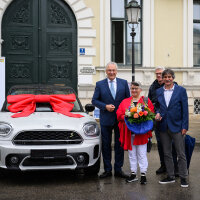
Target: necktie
112,89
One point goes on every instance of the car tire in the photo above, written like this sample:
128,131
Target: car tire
93,170
2,172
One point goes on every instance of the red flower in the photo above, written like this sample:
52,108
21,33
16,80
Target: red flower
141,113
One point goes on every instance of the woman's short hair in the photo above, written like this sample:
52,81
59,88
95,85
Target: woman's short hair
168,71
136,84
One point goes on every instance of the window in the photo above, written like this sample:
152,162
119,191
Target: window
121,39
196,106
196,33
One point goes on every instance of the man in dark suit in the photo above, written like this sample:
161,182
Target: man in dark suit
107,96
173,116
158,83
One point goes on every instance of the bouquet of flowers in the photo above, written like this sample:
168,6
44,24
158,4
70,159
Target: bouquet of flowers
139,119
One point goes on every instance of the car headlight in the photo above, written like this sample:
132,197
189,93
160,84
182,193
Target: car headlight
5,129
91,129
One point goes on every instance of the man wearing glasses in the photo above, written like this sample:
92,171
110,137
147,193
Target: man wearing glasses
152,96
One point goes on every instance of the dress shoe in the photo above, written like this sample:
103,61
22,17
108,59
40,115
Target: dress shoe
105,174
161,170
121,174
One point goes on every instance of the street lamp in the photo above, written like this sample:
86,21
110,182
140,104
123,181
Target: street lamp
133,13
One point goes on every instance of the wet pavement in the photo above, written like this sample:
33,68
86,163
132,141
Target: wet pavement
194,129
62,185
68,185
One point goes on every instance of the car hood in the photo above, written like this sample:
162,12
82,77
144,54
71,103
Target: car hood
46,120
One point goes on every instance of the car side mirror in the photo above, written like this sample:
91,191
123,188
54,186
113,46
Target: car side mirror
89,108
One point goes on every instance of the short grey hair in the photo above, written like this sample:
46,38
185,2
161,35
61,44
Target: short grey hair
112,63
136,83
159,68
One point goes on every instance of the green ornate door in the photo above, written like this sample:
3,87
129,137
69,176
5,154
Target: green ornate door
40,43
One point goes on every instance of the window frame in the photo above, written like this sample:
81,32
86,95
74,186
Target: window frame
125,25
195,21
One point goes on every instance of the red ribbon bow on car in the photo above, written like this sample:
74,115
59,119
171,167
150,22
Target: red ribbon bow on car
27,104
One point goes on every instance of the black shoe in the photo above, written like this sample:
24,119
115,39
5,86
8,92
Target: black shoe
143,179
184,183
161,170
105,174
167,180
132,178
121,174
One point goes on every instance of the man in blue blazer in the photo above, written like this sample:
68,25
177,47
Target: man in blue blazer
107,96
172,113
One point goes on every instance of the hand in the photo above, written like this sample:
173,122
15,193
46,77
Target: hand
110,107
183,131
158,117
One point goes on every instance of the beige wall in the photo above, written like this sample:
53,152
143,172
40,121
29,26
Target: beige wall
179,78
96,78
95,6
168,33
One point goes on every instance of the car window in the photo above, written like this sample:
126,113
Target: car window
46,107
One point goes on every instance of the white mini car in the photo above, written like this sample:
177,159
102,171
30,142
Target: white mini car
47,139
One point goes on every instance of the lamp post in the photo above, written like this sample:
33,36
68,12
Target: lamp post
133,13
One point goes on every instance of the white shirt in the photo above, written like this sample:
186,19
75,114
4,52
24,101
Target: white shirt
168,94
114,84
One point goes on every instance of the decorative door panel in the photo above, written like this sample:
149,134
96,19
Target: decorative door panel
20,44
59,71
40,43
59,44
58,14
20,72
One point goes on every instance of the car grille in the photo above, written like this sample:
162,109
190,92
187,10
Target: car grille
48,162
47,138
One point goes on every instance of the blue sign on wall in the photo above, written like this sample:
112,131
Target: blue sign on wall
82,51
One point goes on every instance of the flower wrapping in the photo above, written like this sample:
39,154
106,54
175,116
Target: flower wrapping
140,128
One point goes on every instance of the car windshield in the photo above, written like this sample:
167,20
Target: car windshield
45,107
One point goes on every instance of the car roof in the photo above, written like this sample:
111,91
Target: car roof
40,86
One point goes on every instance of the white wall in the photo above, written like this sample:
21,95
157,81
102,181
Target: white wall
2,81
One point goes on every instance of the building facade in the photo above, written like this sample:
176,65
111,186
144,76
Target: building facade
71,41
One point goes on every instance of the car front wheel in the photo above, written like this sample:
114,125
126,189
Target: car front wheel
93,170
